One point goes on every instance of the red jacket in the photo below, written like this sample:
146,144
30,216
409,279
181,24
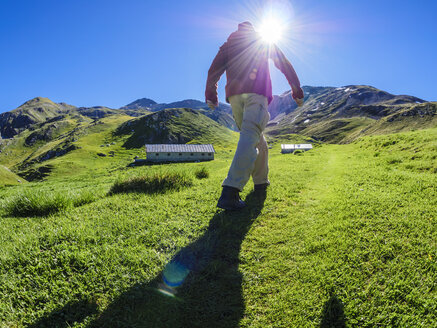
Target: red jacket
244,57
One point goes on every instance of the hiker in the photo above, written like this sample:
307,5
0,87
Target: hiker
244,57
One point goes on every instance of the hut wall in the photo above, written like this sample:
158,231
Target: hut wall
179,157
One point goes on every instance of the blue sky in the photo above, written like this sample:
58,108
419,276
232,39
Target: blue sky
110,53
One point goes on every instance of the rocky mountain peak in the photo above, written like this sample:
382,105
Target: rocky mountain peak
144,103
38,101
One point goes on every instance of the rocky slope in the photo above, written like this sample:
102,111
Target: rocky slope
335,114
37,110
42,110
143,103
148,104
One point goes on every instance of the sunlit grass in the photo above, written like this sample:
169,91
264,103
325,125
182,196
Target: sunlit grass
346,235
41,203
154,183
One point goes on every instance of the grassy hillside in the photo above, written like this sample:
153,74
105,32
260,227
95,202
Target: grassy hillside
222,117
65,147
34,111
175,125
95,151
97,112
42,136
413,117
40,109
332,131
35,141
77,145
345,237
7,177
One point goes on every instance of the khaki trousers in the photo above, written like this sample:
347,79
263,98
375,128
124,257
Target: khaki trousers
251,157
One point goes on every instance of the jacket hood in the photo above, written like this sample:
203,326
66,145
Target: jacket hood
245,26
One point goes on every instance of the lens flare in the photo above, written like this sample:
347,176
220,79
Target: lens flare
166,290
174,274
271,30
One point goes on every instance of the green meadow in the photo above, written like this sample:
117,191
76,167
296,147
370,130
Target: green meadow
7,177
344,237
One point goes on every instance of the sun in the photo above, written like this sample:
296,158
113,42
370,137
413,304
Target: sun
271,30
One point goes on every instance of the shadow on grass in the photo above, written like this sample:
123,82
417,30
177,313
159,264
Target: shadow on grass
333,314
144,162
67,316
210,292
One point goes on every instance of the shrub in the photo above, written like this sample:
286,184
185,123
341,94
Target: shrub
150,184
38,203
202,173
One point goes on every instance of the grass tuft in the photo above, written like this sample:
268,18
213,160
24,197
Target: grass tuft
151,184
38,203
202,173
84,198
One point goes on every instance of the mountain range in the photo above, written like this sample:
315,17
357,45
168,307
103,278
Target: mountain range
41,131
330,106
40,110
339,115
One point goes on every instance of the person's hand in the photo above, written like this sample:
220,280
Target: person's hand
298,95
211,104
299,102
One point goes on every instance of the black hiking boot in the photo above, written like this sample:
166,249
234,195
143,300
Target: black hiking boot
230,199
261,187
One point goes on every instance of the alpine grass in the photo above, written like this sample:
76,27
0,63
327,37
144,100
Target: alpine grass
202,173
346,237
42,203
153,183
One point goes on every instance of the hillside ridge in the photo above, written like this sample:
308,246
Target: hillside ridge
40,131
342,114
172,125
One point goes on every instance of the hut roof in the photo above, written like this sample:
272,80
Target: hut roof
296,146
176,148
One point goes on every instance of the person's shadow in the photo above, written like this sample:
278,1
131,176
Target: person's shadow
210,291
333,313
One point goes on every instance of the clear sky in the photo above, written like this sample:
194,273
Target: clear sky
95,52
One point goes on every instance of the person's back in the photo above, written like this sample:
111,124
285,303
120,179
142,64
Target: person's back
247,67
245,57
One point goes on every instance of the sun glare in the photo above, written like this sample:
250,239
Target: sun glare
271,30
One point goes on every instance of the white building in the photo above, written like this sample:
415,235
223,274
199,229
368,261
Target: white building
291,148
179,153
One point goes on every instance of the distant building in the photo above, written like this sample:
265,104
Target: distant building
179,153
291,148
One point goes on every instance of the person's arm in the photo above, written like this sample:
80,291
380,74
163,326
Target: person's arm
216,70
282,63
